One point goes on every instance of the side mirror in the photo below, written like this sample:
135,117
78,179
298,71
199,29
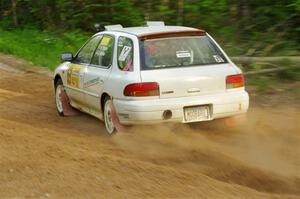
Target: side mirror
66,57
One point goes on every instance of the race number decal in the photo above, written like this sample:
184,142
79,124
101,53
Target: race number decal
124,53
73,76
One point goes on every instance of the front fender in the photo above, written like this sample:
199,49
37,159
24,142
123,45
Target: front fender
61,71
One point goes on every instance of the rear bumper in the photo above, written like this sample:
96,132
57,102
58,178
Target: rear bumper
151,111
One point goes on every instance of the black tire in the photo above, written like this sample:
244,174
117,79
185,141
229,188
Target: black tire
60,111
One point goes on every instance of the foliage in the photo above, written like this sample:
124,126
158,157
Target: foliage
41,48
247,28
271,81
291,74
262,83
241,18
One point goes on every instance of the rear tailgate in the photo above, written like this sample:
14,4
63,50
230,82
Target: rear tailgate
189,81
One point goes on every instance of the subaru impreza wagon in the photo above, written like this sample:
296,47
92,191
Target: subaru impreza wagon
150,74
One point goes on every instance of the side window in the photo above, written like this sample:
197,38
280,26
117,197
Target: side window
104,53
125,54
86,53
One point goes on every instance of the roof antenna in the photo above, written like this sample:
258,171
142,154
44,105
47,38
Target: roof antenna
97,27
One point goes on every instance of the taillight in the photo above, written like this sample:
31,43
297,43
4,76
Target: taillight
235,81
142,89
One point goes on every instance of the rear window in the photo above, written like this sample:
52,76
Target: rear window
175,52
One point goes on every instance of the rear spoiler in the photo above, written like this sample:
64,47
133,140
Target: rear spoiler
181,33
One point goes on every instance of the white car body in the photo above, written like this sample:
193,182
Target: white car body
179,88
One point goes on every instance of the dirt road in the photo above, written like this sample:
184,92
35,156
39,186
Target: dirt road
45,156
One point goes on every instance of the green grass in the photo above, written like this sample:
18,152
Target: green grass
40,48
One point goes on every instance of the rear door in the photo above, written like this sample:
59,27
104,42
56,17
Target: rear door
75,73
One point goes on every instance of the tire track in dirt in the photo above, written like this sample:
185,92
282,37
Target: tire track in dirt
43,155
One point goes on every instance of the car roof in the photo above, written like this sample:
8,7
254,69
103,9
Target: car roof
147,30
138,31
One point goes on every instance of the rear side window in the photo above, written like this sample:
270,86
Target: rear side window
104,53
175,52
86,53
125,54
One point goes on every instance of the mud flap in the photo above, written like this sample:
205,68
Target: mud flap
115,119
67,108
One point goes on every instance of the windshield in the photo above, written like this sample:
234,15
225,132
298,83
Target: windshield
179,52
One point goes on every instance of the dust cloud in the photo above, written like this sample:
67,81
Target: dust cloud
260,150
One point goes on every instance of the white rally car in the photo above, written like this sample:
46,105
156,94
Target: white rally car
150,74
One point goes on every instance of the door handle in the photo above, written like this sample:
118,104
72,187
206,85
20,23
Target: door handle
193,90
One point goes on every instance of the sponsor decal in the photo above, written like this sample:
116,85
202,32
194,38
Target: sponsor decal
73,76
91,82
105,41
183,54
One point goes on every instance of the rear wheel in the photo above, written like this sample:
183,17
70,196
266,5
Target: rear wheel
109,114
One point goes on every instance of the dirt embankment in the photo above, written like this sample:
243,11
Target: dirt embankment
45,156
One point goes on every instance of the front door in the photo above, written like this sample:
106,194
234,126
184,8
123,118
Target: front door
75,73
97,73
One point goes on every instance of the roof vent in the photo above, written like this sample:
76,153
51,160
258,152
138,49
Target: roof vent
155,23
113,27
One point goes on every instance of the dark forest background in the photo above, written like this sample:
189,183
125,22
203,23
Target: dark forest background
243,27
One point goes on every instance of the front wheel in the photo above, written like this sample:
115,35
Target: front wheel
58,97
63,106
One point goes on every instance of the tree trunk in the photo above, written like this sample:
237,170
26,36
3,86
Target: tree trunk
243,9
180,7
14,12
148,10
111,10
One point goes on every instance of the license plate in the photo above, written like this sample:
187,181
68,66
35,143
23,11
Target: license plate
196,113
